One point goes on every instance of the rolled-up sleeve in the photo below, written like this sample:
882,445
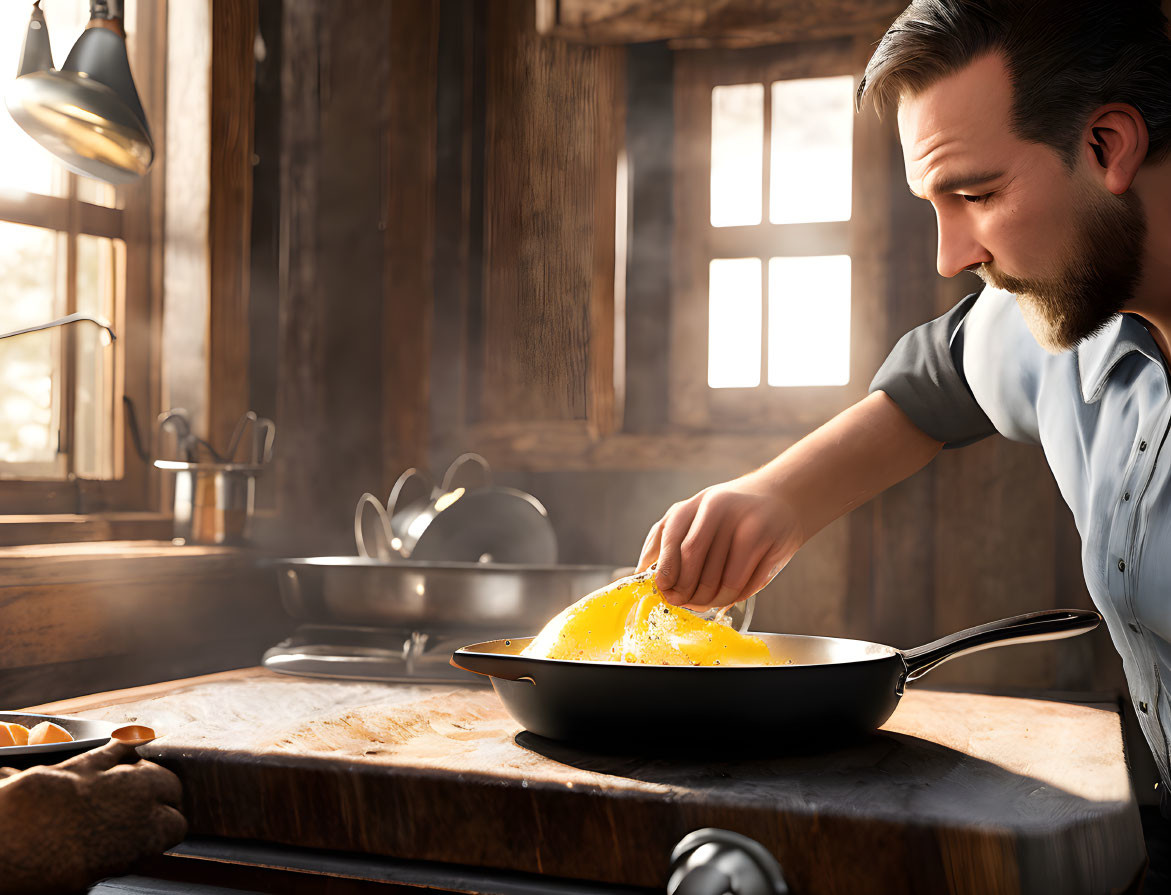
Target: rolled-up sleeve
924,376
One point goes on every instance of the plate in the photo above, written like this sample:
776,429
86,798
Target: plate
86,735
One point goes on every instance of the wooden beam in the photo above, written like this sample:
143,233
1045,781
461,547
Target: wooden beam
729,23
233,35
409,231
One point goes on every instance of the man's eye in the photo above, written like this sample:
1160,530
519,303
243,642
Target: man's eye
979,199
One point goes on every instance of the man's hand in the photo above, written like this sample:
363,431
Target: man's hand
728,541
64,826
722,545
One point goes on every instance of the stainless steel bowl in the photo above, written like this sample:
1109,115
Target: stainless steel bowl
351,590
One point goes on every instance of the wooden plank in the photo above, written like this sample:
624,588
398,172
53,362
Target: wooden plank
568,446
53,213
959,792
650,143
302,398
233,36
409,237
689,394
59,527
457,179
711,22
553,114
89,617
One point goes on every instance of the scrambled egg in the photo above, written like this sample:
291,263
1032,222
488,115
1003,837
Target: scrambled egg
629,622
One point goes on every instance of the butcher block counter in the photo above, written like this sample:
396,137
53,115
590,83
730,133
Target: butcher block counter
958,792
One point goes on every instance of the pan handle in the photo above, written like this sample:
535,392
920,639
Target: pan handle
492,666
1049,624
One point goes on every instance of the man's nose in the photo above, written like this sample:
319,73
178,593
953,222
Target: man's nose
959,249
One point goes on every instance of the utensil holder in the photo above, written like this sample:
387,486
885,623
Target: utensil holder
213,501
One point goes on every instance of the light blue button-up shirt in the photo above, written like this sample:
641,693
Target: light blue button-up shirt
1101,414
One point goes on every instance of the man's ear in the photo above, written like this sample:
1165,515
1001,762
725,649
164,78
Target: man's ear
1116,144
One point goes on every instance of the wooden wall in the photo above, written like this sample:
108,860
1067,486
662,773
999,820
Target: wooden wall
447,237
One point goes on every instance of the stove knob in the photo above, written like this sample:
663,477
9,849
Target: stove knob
720,862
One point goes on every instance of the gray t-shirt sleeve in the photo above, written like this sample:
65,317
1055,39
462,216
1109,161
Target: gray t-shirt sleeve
924,376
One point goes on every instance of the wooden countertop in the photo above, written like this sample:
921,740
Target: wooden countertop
959,792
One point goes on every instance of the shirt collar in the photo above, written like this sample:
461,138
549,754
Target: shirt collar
1099,355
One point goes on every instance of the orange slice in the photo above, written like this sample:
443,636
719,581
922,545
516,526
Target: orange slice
48,732
13,734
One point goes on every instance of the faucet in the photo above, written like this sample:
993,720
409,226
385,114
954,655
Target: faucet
108,335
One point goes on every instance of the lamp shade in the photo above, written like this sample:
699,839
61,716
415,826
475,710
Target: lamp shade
88,113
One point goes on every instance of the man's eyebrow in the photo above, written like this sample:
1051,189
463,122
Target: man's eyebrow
956,182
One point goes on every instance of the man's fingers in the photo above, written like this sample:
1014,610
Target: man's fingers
697,543
675,526
102,758
650,547
713,569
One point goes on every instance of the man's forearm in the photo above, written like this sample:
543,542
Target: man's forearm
861,452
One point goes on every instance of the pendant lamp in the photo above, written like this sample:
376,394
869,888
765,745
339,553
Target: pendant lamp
87,113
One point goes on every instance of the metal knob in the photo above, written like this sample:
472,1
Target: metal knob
720,862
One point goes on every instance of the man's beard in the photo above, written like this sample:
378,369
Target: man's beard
1098,277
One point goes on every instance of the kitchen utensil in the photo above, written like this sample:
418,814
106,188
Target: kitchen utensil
350,590
833,688
213,501
86,735
214,498
134,735
458,523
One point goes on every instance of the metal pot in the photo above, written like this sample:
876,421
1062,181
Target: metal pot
449,523
350,590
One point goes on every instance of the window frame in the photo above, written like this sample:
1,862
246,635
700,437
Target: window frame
693,404
137,319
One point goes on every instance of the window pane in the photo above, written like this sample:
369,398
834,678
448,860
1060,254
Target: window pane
100,263
737,154
28,167
809,320
812,136
734,322
30,293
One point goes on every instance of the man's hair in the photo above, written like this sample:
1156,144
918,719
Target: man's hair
1065,57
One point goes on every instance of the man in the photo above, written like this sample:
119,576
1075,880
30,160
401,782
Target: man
65,826
1040,131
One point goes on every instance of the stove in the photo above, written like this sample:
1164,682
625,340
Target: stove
396,654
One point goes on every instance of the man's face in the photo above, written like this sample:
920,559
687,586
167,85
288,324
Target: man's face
1013,213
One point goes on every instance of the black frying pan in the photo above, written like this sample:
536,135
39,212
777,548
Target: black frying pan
832,689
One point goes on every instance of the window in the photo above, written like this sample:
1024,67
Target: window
764,237
72,244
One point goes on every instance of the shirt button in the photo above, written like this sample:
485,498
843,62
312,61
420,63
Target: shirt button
1142,707
1121,565
1126,495
1142,445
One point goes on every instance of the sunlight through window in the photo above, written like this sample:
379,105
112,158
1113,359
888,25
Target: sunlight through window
812,133
737,154
734,322
809,320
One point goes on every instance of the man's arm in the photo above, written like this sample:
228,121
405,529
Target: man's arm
729,540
